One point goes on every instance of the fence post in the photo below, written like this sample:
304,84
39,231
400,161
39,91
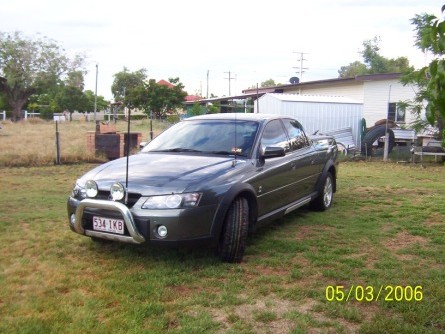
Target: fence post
57,144
4,115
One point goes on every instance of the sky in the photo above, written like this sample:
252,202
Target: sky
219,47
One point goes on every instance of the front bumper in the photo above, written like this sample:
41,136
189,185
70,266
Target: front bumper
183,225
134,237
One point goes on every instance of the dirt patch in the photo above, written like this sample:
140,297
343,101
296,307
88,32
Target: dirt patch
403,240
281,309
307,231
434,220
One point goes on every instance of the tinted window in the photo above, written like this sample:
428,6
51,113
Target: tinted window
296,134
274,135
209,136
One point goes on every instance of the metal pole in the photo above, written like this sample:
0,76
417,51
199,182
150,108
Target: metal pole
386,147
207,96
57,144
128,156
151,124
95,94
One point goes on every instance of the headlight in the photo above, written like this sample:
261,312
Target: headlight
117,191
91,188
78,192
173,201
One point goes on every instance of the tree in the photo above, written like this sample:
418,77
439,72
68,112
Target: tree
101,103
3,101
163,98
268,83
430,37
353,69
373,62
125,81
31,66
71,98
196,109
157,98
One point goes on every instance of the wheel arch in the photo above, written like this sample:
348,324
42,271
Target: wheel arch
330,167
245,190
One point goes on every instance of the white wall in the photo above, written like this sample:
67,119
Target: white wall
377,95
316,116
373,94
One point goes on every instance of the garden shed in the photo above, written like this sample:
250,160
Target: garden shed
316,112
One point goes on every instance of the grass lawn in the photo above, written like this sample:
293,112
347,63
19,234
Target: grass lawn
307,273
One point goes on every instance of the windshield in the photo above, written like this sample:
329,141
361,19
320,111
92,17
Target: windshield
207,136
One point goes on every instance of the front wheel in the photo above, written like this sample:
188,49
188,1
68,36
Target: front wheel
324,199
234,235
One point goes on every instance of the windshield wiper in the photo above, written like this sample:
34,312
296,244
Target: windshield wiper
177,149
220,152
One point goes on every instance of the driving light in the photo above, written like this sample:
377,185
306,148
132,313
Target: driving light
162,231
173,201
117,191
91,188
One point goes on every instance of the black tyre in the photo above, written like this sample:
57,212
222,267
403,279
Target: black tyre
234,235
324,199
373,135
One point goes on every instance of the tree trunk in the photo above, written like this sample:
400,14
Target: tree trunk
17,109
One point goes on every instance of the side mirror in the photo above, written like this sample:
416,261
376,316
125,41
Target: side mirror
272,152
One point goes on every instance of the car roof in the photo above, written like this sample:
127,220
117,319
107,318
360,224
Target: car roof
237,116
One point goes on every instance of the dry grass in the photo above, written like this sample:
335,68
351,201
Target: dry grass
55,281
33,142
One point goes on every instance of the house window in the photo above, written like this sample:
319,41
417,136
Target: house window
395,113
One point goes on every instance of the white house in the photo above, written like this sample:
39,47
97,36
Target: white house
379,94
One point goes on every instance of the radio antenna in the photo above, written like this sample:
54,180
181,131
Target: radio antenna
128,155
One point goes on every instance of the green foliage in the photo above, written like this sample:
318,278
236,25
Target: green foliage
101,103
353,69
430,37
268,83
31,66
213,108
3,101
197,109
373,62
126,81
155,97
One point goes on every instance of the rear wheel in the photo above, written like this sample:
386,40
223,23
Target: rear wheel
324,199
234,235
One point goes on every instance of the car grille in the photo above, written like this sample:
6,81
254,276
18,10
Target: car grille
132,197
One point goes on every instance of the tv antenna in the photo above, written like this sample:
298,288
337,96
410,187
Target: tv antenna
301,68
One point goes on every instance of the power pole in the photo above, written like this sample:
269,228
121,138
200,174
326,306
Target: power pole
95,94
301,67
229,78
207,84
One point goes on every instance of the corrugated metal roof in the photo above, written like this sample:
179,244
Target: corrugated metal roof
312,98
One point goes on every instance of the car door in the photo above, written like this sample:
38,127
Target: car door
306,161
274,176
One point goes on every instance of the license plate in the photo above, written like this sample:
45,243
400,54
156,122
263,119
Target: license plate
108,225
